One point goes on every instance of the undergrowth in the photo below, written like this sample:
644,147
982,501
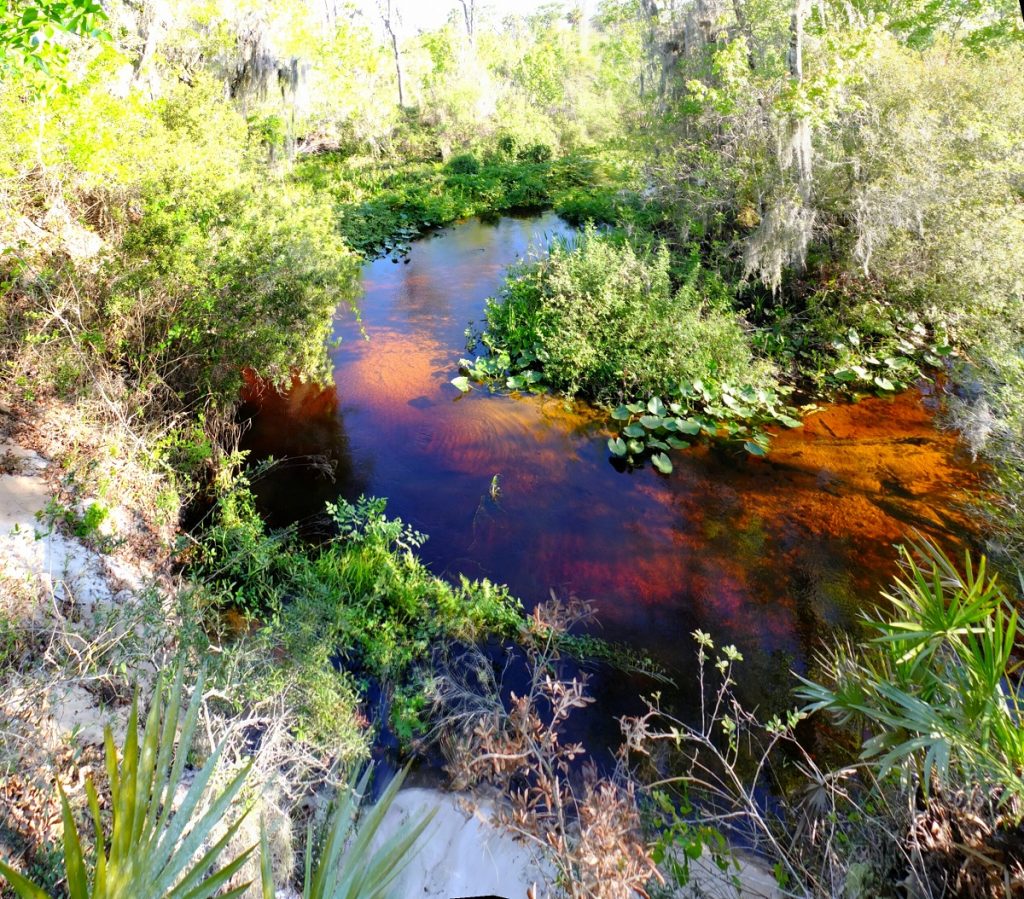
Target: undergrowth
362,602
381,207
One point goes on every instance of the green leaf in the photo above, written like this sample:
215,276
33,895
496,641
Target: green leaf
676,443
885,384
655,406
636,447
662,462
654,443
845,374
651,422
621,413
462,383
266,870
617,446
22,886
755,449
635,408
634,430
853,337
688,426
789,421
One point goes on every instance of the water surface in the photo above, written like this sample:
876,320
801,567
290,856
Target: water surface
767,553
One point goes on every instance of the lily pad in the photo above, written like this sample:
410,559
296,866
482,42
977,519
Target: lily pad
755,449
655,406
636,447
621,413
462,382
617,446
662,462
688,426
651,422
634,431
676,443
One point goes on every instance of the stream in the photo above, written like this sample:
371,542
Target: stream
770,554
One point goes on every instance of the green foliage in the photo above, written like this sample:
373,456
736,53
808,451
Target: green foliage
32,31
92,518
210,266
682,841
692,409
381,208
346,867
936,684
602,319
149,851
363,598
175,302
464,164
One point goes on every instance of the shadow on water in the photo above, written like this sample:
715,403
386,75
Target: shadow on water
769,554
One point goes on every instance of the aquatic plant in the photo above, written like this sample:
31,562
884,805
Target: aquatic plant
696,409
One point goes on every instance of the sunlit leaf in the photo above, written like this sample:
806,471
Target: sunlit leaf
662,462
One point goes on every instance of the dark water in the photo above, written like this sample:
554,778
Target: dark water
766,553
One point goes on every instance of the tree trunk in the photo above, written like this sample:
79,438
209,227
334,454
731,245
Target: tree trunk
389,15
398,68
469,14
796,39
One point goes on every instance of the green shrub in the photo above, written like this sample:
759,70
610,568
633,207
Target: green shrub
602,319
464,164
507,145
535,153
199,292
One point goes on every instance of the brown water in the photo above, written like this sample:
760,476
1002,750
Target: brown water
767,553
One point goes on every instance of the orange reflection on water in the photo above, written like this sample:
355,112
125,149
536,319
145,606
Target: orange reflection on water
770,553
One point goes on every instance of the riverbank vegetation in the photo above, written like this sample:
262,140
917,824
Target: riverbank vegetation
775,200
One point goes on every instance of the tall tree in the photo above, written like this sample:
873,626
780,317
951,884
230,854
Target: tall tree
469,14
392,20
